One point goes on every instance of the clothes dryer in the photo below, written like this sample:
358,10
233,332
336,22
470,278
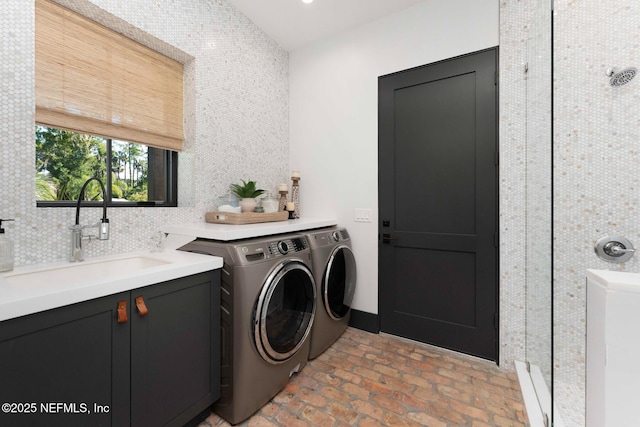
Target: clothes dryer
268,306
334,268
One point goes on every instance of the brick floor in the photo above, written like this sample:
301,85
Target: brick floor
373,380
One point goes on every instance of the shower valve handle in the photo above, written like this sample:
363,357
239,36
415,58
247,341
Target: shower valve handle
616,249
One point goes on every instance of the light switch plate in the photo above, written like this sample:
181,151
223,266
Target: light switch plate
362,215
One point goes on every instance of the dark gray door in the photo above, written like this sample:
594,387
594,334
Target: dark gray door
437,201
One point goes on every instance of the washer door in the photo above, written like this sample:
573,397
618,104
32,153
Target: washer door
284,311
339,282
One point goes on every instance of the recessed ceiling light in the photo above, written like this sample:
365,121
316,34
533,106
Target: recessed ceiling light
307,1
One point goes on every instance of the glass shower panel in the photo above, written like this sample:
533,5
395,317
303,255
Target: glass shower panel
539,182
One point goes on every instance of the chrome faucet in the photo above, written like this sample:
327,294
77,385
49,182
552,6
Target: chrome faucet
77,233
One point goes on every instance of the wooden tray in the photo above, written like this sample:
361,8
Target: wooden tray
245,217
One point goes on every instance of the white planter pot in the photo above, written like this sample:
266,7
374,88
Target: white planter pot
248,205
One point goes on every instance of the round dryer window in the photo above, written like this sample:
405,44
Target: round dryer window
339,282
284,311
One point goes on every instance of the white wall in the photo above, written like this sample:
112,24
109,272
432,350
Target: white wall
333,110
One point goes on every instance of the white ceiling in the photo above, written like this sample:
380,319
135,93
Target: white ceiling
293,24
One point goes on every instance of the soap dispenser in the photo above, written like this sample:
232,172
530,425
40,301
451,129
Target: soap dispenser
6,249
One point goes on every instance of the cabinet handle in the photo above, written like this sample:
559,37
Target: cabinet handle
142,308
122,312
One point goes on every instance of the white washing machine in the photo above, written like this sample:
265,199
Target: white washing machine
268,306
334,268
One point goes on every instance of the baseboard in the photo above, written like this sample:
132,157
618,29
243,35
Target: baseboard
364,321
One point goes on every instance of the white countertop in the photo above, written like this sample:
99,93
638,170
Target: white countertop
615,280
64,283
226,232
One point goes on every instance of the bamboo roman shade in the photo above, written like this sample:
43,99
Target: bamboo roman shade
93,80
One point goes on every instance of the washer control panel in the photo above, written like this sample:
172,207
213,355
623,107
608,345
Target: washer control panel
329,238
340,235
251,251
270,249
286,246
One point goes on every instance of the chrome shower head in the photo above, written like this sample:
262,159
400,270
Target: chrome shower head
621,77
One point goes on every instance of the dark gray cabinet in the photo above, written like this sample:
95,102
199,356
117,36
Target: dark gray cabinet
74,356
86,365
175,351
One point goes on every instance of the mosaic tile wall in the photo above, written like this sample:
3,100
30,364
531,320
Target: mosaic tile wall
597,169
236,117
525,145
514,20
539,192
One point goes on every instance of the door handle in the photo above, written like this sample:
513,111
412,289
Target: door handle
386,238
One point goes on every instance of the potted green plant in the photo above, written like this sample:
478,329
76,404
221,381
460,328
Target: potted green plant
247,192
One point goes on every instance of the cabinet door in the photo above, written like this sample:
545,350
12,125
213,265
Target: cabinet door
175,350
66,367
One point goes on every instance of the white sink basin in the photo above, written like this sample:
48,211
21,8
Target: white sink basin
79,273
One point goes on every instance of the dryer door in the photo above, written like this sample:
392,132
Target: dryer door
339,282
284,311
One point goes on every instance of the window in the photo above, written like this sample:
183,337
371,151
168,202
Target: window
133,174
93,81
